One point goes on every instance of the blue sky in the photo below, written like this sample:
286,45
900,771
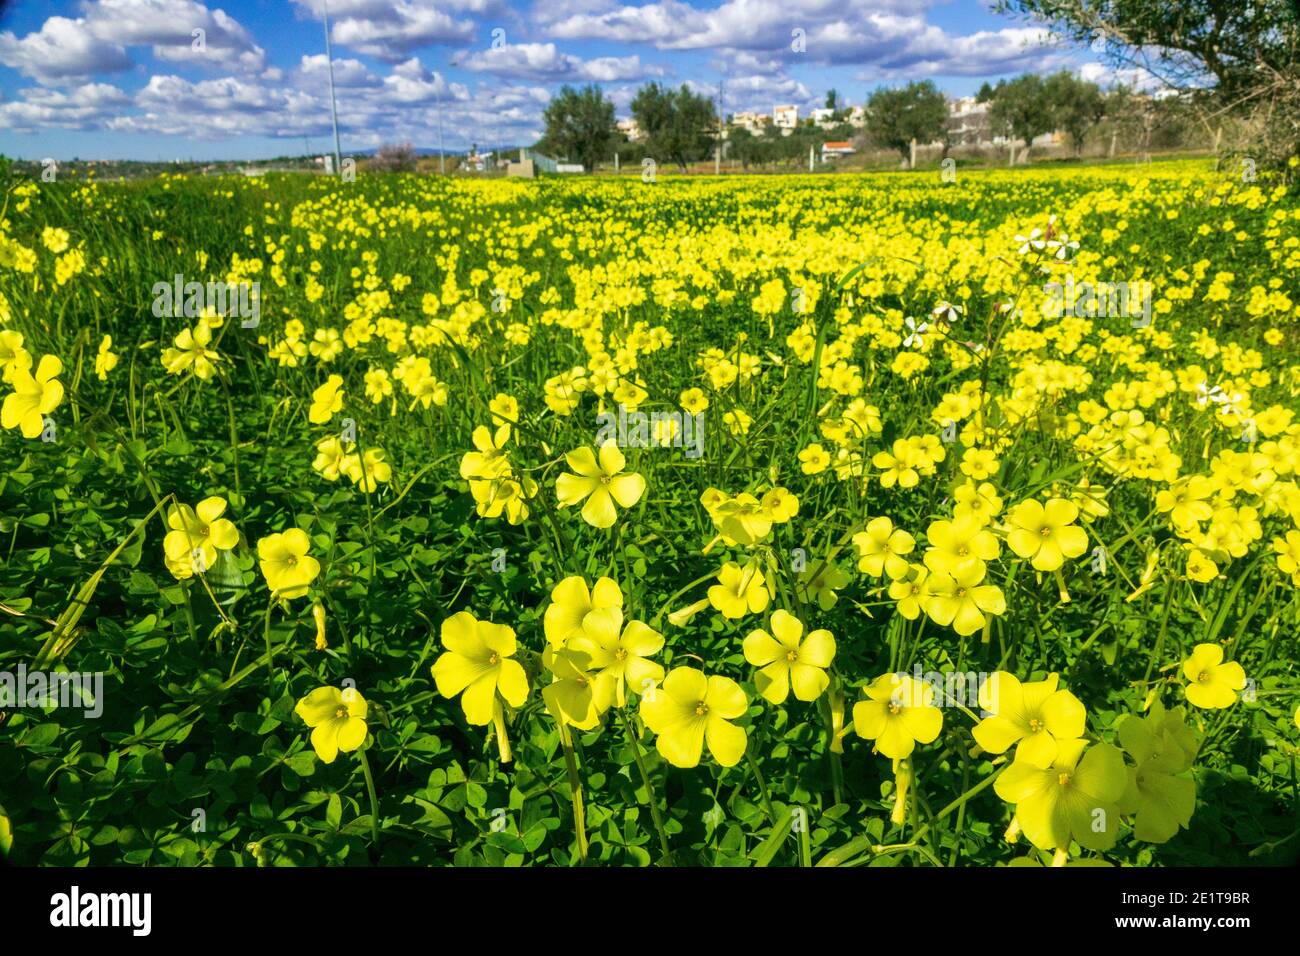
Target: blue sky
132,79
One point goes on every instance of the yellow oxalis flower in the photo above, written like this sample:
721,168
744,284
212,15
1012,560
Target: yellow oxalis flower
285,563
898,714
572,694
1213,684
1033,716
477,665
601,483
1046,533
958,598
739,591
571,602
33,397
191,351
619,654
326,401
881,548
1067,798
690,710
196,536
337,719
786,659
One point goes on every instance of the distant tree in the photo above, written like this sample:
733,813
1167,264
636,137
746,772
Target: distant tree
985,93
1021,108
579,125
1076,104
678,124
1230,60
832,100
917,111
393,158
742,145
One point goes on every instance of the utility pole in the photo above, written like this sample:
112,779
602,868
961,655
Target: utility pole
334,106
717,152
442,153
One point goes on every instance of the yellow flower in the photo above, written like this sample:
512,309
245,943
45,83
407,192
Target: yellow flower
488,460
1212,683
1032,716
337,719
619,658
192,351
814,459
960,548
33,397
331,454
285,563
739,591
785,661
571,696
1067,798
478,665
56,240
326,400
1046,533
909,591
601,483
571,602
958,598
690,710
196,536
881,549
367,471
898,714
979,463
980,502
105,359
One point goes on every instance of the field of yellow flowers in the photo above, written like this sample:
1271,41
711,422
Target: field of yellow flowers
814,520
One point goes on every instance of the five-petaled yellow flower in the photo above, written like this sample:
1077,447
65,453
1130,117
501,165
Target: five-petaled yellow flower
337,720
1033,716
1213,684
1046,533
689,710
285,563
898,714
1067,798
478,664
33,397
601,482
786,659
196,536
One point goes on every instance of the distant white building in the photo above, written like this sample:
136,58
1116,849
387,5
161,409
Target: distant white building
858,117
785,117
832,149
630,129
754,122
970,124
823,117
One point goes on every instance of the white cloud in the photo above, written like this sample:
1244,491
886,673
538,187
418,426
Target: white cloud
168,27
391,30
542,61
62,50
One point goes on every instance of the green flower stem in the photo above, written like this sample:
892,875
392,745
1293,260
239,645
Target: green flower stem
655,815
805,844
374,802
266,636
762,784
575,796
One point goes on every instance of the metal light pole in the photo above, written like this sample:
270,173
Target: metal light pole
334,106
442,153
